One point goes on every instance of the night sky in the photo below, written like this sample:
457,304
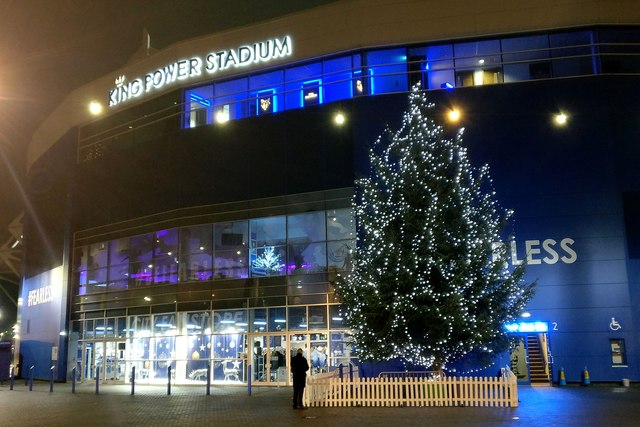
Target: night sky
50,47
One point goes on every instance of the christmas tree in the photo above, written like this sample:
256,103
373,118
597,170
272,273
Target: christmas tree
429,284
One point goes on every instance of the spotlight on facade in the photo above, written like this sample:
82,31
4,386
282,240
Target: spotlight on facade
95,108
454,115
525,314
339,119
560,119
222,116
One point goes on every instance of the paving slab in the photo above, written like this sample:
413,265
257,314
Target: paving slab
595,405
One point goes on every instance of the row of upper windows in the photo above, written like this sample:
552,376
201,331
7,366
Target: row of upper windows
448,65
275,246
273,319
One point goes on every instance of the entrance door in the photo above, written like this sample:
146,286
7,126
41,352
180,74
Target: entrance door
530,358
269,361
108,358
88,362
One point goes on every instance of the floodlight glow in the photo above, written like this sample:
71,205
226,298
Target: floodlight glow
339,119
222,117
95,108
454,115
560,119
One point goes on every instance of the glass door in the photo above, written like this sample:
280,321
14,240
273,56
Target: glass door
114,364
108,359
258,351
298,341
88,362
268,359
278,359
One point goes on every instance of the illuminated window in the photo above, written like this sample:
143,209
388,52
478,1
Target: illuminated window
230,100
432,66
266,91
303,86
337,78
478,63
387,70
198,106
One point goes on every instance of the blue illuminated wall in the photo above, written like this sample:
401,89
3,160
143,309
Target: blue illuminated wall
566,186
42,319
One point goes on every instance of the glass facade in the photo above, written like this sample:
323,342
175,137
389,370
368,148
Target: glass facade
436,66
298,244
230,343
224,343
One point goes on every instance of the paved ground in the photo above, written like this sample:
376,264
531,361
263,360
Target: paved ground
595,405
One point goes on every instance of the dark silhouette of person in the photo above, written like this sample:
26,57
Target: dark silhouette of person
299,368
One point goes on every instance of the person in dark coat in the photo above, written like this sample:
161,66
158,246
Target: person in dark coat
299,368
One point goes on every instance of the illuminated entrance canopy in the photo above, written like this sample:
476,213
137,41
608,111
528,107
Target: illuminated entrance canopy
194,67
527,327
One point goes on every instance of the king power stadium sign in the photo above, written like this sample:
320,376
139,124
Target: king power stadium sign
196,66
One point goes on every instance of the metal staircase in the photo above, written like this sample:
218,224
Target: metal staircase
538,373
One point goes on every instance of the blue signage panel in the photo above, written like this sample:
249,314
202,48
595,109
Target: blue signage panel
42,320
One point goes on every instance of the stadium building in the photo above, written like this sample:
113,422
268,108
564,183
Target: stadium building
201,216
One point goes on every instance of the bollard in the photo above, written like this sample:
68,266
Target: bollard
169,380
562,381
51,380
340,372
73,380
585,377
249,380
31,378
133,380
97,380
11,378
208,379
350,372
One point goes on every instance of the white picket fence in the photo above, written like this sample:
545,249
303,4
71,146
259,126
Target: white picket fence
411,391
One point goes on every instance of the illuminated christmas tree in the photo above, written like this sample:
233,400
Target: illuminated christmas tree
428,285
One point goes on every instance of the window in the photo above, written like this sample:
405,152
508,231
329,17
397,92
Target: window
195,261
387,71
297,318
258,319
226,320
317,317
526,58
141,256
266,93
478,63
230,100
432,66
277,319
572,54
304,254
198,104
304,86
337,76
231,249
620,50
